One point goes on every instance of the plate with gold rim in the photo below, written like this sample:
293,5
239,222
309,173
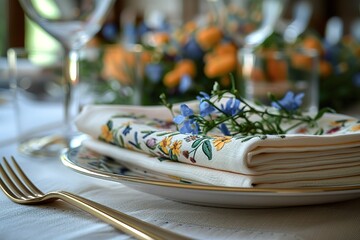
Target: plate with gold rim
93,164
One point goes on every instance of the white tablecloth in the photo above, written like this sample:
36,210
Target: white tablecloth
61,221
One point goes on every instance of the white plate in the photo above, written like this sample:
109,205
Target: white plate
93,164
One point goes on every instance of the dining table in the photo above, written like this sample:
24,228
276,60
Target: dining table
58,220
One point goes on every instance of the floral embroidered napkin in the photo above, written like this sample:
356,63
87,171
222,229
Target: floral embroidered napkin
144,137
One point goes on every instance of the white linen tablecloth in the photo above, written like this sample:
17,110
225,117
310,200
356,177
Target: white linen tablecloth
61,221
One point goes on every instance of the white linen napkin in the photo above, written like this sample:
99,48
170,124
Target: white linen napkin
295,160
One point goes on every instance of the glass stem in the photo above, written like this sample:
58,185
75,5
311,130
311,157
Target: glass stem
71,80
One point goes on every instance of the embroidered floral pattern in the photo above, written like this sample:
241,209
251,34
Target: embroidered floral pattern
355,128
164,144
106,133
144,135
219,142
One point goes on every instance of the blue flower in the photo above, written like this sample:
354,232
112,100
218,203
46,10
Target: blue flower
205,107
154,72
192,50
185,83
290,102
126,130
223,128
189,125
232,107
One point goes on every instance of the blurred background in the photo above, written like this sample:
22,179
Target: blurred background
15,31
334,24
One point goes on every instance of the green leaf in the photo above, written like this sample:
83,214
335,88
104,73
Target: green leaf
109,124
122,143
206,147
322,112
196,143
162,159
172,156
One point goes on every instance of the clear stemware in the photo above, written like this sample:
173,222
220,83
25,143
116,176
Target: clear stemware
73,23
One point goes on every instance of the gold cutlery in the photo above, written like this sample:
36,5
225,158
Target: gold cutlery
18,187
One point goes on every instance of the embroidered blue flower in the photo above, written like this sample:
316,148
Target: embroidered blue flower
290,102
205,107
231,107
126,130
189,125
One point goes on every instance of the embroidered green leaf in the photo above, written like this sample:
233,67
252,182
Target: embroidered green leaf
162,159
109,124
122,143
162,134
196,143
206,147
172,156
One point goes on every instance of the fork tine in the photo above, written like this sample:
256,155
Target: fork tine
25,179
7,190
16,179
11,186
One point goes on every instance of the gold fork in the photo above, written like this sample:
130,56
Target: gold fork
18,187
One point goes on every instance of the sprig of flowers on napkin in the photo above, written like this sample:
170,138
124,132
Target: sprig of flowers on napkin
227,112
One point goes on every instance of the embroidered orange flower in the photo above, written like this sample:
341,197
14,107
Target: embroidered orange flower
219,142
175,148
106,133
164,143
355,128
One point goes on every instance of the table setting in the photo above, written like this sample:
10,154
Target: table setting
231,140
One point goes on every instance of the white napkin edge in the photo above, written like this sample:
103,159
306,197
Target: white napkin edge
193,173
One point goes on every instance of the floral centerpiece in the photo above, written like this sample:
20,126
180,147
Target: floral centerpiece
191,58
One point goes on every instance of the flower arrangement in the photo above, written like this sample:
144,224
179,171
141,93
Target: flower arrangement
194,56
229,113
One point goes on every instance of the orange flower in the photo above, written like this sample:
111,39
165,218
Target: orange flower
355,128
209,37
171,79
190,26
119,63
164,143
219,142
277,70
225,48
312,42
257,75
159,38
106,133
220,50
325,68
175,148
183,67
220,66
186,66
301,61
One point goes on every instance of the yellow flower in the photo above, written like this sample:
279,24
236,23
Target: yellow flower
355,128
164,143
106,133
219,142
175,147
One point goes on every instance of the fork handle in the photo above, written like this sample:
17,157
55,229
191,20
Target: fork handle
119,220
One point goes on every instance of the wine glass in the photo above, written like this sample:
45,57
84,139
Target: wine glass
73,23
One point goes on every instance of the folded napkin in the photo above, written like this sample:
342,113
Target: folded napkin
144,138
